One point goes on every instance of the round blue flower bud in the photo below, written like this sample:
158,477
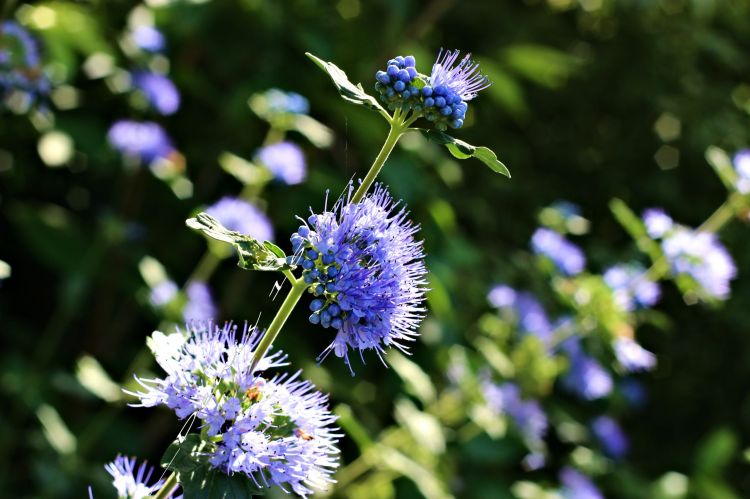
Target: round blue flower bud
318,290
382,77
328,258
316,305
303,230
333,271
399,60
296,240
403,75
457,123
325,316
440,90
307,278
312,219
429,102
412,73
390,92
405,94
336,323
446,111
312,254
314,318
392,71
331,287
307,264
427,91
440,102
334,309
409,61
399,86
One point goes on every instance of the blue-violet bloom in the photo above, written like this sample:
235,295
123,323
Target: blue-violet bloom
200,304
240,216
159,90
742,167
20,64
285,161
585,377
576,485
611,437
145,141
366,271
631,287
657,222
276,431
567,257
148,38
632,356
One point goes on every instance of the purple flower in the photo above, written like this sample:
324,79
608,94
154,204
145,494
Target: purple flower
159,91
240,216
577,485
527,415
163,293
149,39
461,77
701,256
566,256
132,483
200,305
276,431
528,311
742,166
631,286
145,141
20,63
280,102
610,436
632,356
657,222
585,377
285,161
367,272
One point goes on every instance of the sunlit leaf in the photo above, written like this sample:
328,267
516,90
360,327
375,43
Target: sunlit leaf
462,150
253,254
348,90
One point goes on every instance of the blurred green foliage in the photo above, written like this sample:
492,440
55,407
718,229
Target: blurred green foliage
592,100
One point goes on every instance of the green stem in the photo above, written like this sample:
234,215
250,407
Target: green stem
169,485
397,129
298,287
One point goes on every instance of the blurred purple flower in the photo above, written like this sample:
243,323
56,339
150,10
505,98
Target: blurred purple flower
149,39
566,256
742,166
286,102
632,356
163,293
631,286
200,305
611,437
285,161
585,377
132,483
159,90
528,311
657,222
527,415
146,141
576,485
240,216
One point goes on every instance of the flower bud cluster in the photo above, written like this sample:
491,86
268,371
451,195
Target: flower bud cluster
395,84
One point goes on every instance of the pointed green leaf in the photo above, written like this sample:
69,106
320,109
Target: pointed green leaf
348,90
187,457
462,150
253,254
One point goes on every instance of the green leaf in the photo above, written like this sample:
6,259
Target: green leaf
186,457
462,150
253,254
348,90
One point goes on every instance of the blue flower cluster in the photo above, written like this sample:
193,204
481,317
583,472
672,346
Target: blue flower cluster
20,65
367,272
146,141
586,377
395,84
285,161
442,97
694,253
277,431
632,356
567,257
576,485
238,215
631,286
611,437
132,483
159,90
527,415
527,311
